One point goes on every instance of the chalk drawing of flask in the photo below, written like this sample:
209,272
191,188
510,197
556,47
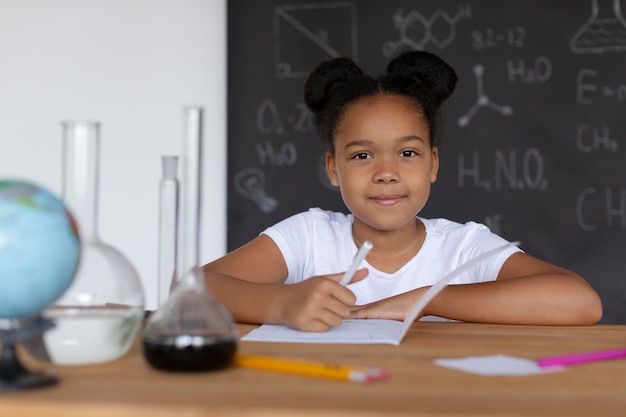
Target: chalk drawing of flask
604,30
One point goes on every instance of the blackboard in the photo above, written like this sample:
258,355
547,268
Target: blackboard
534,137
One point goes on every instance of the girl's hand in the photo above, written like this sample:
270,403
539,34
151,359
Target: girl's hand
392,308
318,303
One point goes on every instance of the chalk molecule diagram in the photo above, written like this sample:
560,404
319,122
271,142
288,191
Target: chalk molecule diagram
404,22
482,100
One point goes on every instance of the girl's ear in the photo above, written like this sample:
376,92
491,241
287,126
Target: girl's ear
435,164
331,169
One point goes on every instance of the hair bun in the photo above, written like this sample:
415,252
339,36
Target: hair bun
325,78
428,69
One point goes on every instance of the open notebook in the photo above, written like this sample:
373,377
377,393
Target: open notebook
366,331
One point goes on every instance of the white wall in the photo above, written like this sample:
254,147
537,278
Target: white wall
133,65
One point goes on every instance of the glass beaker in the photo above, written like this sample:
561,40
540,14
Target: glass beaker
192,331
99,316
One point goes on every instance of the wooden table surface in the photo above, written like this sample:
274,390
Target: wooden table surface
129,387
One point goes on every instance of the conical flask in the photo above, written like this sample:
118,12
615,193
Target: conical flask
100,314
192,331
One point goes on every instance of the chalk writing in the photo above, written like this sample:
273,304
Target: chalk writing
267,119
285,155
539,72
588,91
270,121
514,170
595,138
490,38
612,204
303,122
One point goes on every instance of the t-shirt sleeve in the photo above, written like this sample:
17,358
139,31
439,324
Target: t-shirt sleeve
292,237
479,240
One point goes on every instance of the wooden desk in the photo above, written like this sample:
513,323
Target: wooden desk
417,387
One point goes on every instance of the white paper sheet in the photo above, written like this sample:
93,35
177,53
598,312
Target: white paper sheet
496,365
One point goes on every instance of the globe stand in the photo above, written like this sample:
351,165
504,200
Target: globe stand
13,375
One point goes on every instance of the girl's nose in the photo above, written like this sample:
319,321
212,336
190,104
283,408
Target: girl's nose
386,171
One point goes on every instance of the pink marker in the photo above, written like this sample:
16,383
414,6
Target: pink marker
581,358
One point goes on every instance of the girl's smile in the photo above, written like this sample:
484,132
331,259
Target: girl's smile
387,200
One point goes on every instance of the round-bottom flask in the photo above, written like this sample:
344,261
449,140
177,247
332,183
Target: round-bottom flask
98,317
97,320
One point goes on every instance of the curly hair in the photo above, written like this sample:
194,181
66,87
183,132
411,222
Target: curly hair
334,85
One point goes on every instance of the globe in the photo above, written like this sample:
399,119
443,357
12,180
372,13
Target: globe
39,249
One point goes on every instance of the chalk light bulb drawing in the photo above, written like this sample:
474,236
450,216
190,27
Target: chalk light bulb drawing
250,183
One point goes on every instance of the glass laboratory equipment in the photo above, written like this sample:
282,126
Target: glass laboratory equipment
100,314
168,226
192,331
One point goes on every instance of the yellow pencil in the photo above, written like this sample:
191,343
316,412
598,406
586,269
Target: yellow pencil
315,369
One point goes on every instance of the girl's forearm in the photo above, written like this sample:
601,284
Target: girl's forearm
248,302
546,299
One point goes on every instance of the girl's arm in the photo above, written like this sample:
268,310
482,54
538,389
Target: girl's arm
248,281
527,291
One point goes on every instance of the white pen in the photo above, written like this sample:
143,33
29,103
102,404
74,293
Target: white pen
358,258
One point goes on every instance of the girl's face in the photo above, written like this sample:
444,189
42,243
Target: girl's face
383,161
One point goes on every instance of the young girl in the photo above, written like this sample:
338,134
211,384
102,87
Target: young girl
382,154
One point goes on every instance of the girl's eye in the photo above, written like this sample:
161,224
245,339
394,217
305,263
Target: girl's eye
408,153
361,155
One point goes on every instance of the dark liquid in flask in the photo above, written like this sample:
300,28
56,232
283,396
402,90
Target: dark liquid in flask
201,354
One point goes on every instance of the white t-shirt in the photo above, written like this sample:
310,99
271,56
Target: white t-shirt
319,242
